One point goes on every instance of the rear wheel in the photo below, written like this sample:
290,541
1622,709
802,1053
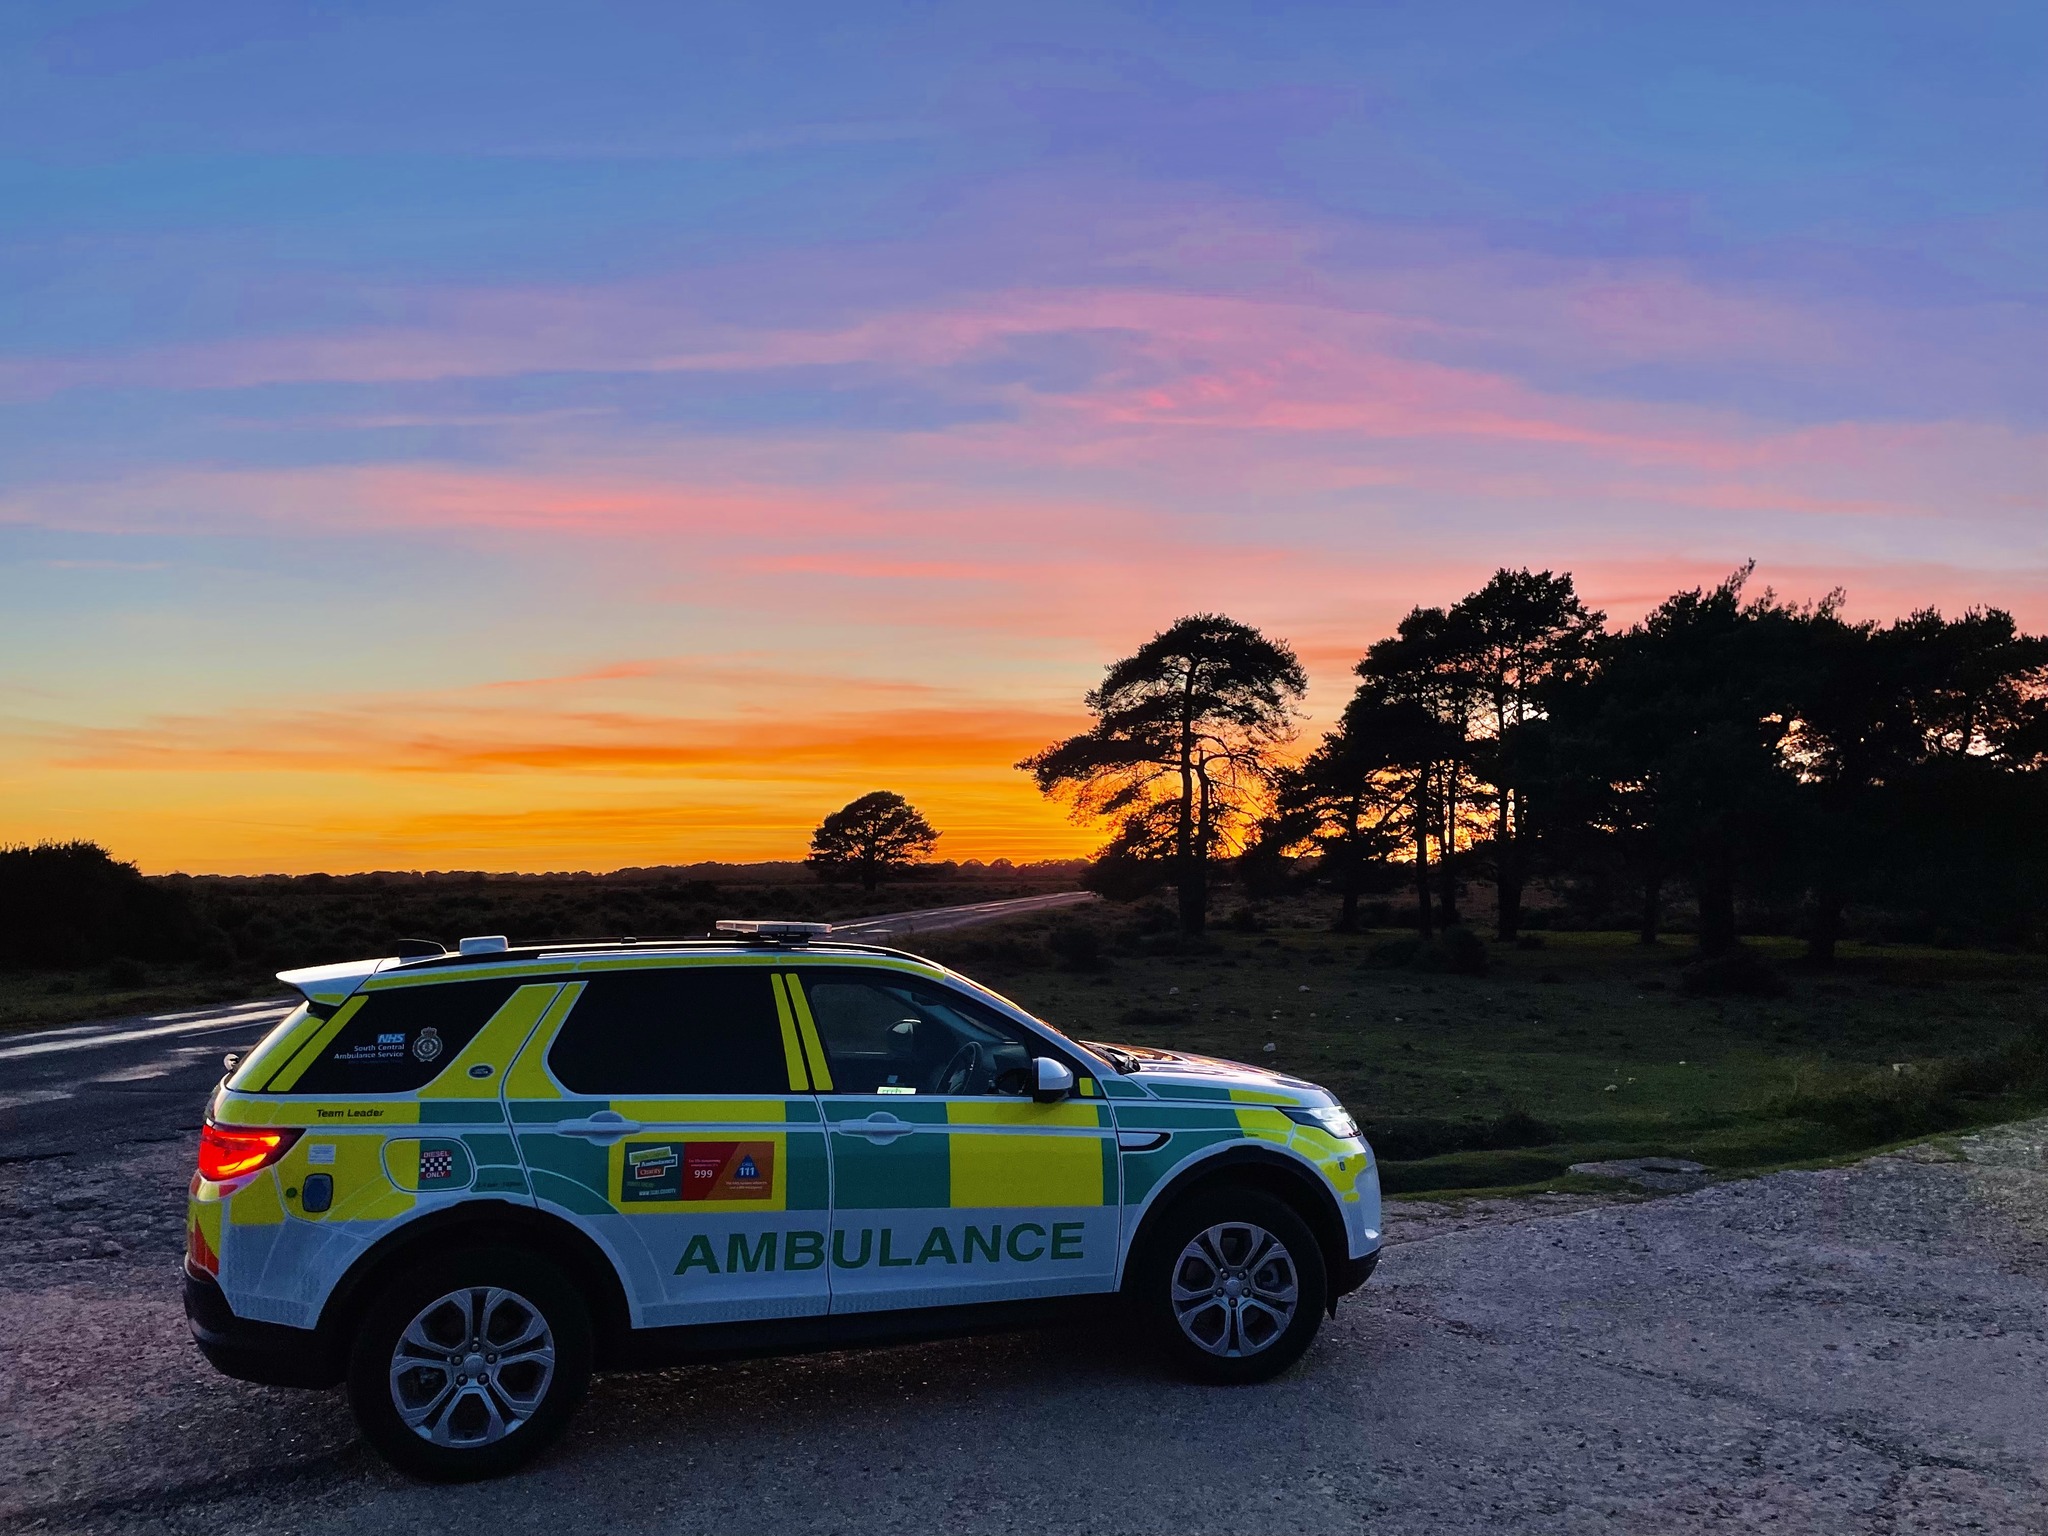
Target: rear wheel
1231,1285
470,1364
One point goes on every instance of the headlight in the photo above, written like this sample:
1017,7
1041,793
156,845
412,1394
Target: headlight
1334,1119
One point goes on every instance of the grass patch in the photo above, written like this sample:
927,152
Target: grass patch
1590,1048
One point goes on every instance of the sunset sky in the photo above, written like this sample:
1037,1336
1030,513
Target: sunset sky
572,436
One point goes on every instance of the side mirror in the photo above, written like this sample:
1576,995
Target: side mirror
232,1060
1051,1080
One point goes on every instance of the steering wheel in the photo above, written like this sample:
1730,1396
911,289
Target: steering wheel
967,1063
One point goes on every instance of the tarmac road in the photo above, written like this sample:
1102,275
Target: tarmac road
900,925
144,1078
1855,1350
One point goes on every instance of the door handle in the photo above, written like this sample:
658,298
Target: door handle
604,1127
880,1129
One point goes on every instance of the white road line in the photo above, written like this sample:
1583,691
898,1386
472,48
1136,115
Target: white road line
123,1036
33,1096
225,1012
207,1013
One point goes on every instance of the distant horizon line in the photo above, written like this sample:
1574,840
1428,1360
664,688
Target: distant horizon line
730,866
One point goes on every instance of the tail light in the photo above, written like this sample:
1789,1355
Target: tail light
236,1151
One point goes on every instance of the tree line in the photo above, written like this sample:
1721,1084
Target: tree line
1730,747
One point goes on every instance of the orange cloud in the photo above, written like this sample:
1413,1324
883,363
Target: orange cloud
553,772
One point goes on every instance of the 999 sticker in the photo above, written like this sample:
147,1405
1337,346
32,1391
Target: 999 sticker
697,1170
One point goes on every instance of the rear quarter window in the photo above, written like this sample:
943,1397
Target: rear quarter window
402,1039
678,1030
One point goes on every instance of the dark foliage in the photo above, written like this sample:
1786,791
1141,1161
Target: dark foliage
1182,748
879,835
1731,764
73,904
1455,952
1738,973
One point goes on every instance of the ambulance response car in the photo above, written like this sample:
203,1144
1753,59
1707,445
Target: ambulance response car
461,1182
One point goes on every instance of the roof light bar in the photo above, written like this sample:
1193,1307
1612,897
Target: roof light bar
482,944
759,928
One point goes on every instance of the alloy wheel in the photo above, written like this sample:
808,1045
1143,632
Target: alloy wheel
472,1367
1235,1289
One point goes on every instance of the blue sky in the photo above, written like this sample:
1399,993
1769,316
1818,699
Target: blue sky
506,402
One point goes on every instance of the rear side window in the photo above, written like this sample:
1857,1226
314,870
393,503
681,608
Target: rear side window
685,1030
401,1039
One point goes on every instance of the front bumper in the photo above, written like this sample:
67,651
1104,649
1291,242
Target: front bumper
1349,1274
269,1354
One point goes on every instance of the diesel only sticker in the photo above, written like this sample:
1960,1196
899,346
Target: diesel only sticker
696,1170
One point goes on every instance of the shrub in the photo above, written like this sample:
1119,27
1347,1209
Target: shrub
1393,954
1740,972
72,904
1075,947
1458,950
126,972
1455,951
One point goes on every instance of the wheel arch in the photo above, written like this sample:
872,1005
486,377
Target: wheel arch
1259,1166
470,1224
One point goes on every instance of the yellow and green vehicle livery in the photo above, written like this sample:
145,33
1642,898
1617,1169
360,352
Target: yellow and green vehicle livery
459,1182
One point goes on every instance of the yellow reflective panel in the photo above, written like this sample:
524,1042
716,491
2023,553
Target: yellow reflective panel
363,1191
1265,1124
529,1077
1065,1114
310,1049
792,1049
493,1046
821,1070
339,1113
256,1203
991,1168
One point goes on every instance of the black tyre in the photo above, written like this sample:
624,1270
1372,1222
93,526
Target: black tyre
1231,1285
470,1364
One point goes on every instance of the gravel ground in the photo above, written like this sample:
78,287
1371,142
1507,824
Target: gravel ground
1856,1350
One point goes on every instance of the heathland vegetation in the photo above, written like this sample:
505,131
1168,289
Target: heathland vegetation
84,935
1566,1047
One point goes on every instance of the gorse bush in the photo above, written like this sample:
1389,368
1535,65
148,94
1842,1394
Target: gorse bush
1455,951
1740,972
1075,947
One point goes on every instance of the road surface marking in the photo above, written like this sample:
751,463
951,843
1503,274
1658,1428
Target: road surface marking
123,1036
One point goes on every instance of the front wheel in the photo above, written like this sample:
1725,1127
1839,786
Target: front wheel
470,1364
1231,1285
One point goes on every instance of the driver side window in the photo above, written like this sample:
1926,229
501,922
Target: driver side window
888,1033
